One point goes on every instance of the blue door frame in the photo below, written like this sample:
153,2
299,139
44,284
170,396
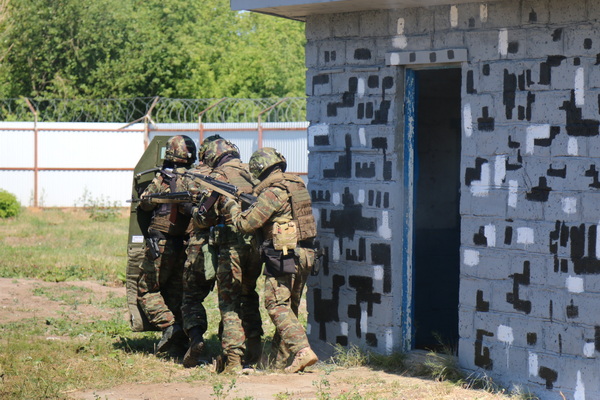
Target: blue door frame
409,179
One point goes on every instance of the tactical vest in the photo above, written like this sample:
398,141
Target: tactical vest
166,217
299,199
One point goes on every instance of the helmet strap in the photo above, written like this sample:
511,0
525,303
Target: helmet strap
226,158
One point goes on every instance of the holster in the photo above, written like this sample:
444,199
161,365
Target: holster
152,245
318,263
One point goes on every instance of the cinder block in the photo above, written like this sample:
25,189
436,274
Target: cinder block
503,14
425,19
566,12
545,41
583,310
593,80
469,16
313,110
510,362
332,53
563,206
441,18
374,23
448,40
525,209
547,109
493,204
314,168
345,25
590,206
341,82
466,354
465,323
535,12
405,21
318,84
563,76
318,27
468,144
311,54
418,43
564,339
361,52
581,41
482,45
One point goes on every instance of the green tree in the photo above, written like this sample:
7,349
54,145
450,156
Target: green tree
53,45
267,59
133,48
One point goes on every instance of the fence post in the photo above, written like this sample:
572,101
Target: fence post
35,151
147,121
201,114
260,130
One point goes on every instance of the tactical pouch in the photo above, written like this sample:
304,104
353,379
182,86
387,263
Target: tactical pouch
276,263
210,261
285,236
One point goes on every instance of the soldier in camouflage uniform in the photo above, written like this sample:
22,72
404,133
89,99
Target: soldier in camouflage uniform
238,263
283,215
160,280
199,270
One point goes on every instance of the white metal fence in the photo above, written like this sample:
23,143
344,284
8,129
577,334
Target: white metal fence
56,164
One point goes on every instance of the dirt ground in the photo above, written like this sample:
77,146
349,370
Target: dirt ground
17,302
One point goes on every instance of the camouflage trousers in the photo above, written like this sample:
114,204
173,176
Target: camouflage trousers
198,281
160,283
239,268
282,300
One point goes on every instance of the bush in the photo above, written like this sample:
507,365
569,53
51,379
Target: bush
9,205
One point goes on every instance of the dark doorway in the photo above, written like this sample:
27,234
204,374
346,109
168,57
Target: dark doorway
437,218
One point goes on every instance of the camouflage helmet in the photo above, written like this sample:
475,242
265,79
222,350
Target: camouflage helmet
265,158
217,149
181,149
204,145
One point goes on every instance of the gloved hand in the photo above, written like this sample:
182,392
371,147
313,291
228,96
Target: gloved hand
188,208
231,209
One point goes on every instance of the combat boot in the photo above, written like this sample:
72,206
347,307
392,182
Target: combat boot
304,358
253,350
171,335
233,365
192,356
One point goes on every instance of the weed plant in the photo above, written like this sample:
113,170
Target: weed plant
98,208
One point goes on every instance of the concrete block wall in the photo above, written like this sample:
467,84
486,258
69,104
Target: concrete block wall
530,186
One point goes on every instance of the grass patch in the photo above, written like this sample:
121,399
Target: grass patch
50,357
62,245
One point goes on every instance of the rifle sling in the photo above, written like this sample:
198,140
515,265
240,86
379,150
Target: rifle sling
174,208
208,203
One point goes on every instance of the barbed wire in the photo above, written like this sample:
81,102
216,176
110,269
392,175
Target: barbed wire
165,110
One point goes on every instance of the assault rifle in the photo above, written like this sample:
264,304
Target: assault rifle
224,188
174,197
